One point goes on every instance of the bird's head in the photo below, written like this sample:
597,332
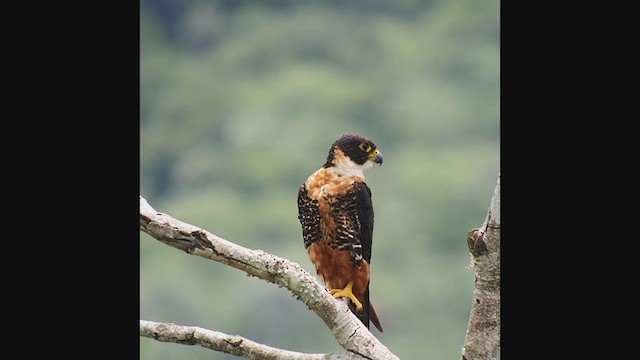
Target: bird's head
353,151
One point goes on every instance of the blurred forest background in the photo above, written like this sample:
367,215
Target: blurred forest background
239,103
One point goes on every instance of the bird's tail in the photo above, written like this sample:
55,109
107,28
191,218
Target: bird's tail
367,313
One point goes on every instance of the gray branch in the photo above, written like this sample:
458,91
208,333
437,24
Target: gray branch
350,333
230,344
482,341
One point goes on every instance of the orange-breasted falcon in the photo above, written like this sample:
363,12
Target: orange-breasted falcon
336,214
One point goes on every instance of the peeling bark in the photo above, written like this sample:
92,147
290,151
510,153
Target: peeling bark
482,341
350,333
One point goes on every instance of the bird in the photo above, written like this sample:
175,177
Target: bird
335,211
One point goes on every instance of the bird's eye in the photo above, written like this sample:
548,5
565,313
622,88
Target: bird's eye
365,147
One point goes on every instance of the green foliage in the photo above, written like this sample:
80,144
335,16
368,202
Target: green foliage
239,102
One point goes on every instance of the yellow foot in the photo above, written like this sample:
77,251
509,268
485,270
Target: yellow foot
347,292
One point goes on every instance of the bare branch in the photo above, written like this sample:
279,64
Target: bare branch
350,333
231,344
483,332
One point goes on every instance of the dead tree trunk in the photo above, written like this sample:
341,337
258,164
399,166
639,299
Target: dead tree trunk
483,332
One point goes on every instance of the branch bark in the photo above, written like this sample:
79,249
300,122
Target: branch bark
350,333
483,332
230,344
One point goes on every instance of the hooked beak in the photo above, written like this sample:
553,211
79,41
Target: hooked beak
376,157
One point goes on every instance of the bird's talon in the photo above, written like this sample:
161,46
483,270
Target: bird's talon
347,292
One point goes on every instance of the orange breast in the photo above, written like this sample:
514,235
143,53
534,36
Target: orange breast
336,269
326,184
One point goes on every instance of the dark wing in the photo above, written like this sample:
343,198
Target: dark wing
365,215
309,216
353,215
362,214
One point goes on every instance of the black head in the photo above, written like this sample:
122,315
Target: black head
357,147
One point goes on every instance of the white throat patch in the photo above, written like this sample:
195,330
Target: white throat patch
343,166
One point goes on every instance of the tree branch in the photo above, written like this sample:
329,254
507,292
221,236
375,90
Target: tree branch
350,333
230,344
483,332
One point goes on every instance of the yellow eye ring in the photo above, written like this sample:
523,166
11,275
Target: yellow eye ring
366,148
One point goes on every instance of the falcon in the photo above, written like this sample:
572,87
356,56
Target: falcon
336,215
